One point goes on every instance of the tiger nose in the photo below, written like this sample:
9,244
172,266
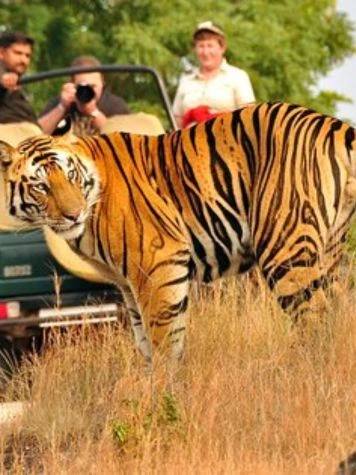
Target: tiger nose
72,215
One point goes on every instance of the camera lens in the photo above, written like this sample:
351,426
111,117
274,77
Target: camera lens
84,93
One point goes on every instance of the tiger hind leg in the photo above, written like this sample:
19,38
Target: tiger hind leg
310,273
335,247
300,289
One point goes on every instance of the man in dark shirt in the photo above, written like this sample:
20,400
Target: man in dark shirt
15,57
87,117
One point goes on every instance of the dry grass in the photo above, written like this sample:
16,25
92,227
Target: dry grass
252,396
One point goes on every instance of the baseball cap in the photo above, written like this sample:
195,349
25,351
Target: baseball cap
208,26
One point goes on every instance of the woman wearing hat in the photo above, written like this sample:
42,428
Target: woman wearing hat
215,86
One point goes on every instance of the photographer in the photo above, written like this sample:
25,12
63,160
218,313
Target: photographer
85,99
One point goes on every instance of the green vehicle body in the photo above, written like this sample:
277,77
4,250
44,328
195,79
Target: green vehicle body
29,274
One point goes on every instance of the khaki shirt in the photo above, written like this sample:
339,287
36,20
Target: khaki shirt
230,88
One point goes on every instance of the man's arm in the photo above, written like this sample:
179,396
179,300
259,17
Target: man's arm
243,90
49,121
178,109
8,80
57,109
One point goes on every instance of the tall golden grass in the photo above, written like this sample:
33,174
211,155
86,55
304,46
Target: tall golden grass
253,395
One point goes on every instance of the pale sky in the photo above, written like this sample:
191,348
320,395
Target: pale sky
343,78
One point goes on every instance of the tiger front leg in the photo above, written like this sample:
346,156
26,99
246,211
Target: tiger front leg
162,295
142,341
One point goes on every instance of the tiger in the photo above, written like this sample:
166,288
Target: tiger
271,185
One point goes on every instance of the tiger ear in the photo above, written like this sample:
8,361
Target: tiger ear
6,154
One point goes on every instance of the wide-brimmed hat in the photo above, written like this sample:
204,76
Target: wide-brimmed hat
208,26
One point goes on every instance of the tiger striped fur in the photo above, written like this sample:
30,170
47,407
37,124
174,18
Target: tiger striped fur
268,184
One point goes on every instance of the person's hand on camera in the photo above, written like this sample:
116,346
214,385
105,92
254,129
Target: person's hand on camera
68,95
10,81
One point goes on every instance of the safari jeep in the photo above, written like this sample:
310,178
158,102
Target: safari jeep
42,282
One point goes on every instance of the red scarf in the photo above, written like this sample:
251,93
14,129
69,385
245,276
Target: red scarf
198,114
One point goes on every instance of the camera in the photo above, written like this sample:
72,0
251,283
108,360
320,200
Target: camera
84,93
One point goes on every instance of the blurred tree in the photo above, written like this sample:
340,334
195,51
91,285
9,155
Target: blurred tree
285,45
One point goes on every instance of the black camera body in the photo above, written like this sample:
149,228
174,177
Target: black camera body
84,93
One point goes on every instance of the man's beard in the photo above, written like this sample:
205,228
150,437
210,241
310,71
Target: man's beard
20,70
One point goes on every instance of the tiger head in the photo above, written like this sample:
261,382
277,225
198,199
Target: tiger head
47,183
